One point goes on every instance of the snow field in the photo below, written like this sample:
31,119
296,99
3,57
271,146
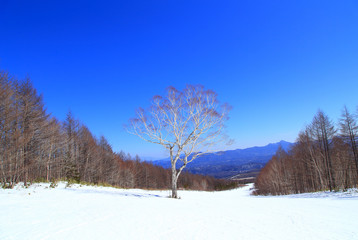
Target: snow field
107,213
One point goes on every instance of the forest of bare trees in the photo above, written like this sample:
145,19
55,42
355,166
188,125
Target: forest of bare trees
37,147
323,158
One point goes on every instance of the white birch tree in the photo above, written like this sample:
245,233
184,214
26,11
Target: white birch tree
187,123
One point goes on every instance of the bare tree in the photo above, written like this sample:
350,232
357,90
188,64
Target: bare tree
187,124
71,129
323,131
8,115
349,132
53,142
32,121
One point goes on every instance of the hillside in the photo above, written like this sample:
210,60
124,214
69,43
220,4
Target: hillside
232,163
39,212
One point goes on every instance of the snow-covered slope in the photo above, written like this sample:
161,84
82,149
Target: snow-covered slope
106,213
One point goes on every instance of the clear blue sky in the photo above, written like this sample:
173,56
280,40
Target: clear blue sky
275,62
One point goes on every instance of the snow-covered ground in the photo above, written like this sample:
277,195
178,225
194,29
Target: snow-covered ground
39,212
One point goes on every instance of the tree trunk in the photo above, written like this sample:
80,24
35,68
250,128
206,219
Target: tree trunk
331,178
174,182
48,165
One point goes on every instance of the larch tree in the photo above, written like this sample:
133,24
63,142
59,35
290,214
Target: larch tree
8,164
186,123
32,121
71,129
349,132
52,144
323,131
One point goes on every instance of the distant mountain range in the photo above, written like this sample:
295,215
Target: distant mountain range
234,164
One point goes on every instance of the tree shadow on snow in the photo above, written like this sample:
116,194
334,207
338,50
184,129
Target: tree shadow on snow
125,193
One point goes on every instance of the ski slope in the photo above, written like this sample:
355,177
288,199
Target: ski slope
83,212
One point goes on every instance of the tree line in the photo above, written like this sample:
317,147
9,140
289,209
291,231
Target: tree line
324,157
34,146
